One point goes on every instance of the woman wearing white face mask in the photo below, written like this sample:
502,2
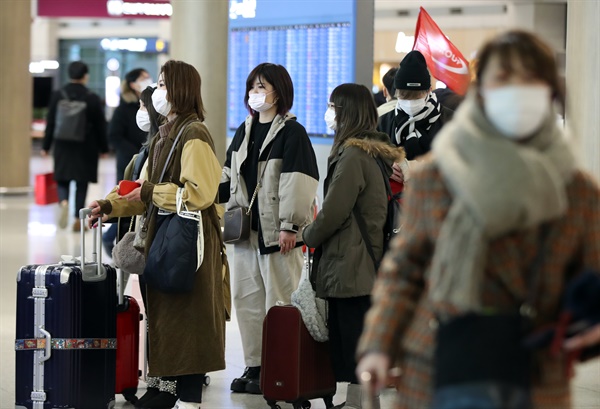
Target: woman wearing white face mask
160,392
123,134
418,115
270,158
186,330
347,230
125,137
498,206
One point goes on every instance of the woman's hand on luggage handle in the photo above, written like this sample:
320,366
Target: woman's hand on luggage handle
372,371
93,217
136,194
287,241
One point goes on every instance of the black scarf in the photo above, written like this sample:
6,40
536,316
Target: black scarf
406,127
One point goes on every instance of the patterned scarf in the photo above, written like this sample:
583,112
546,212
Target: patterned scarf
406,127
498,186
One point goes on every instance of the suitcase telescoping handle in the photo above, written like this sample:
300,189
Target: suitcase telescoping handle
120,287
96,253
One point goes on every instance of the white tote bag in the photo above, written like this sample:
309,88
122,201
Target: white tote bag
312,308
182,211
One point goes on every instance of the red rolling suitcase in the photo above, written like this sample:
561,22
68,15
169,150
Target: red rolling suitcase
66,333
128,344
295,367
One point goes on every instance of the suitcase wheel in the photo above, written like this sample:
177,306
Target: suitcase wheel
273,405
302,405
206,380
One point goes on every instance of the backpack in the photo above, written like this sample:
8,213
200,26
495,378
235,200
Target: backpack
70,120
391,226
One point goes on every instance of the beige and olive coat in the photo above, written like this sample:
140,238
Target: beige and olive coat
186,331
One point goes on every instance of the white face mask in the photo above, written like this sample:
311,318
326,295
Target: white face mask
258,102
330,119
143,84
517,111
143,120
159,100
411,106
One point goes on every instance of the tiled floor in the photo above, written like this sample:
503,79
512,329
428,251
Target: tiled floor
28,234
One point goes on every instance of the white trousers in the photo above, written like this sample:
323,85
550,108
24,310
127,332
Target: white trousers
259,282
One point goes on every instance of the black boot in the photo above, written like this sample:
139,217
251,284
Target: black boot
250,373
162,400
253,387
151,392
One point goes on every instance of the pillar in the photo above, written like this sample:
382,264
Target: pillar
546,19
583,81
15,96
199,36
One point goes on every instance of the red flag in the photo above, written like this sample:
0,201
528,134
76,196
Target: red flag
445,62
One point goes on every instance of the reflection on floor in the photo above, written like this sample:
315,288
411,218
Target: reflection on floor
28,234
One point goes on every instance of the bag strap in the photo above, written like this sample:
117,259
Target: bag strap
259,183
528,308
172,150
305,275
139,163
162,174
362,225
66,96
386,180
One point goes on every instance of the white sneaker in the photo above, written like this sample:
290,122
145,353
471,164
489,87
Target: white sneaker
186,405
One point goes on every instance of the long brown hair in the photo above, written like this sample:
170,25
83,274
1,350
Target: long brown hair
535,55
183,88
355,112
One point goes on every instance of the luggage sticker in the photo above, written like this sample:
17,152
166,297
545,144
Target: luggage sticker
66,343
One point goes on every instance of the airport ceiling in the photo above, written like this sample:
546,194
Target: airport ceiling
402,14
394,15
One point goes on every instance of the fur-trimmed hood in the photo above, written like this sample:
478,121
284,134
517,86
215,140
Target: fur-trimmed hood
377,144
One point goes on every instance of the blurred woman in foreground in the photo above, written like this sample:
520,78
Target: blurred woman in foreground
471,225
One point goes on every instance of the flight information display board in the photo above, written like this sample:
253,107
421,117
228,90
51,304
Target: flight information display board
316,47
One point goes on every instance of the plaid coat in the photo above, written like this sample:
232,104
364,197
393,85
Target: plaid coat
401,322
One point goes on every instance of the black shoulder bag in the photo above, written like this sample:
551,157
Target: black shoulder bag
481,360
173,259
237,221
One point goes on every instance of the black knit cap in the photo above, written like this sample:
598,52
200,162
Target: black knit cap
413,73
